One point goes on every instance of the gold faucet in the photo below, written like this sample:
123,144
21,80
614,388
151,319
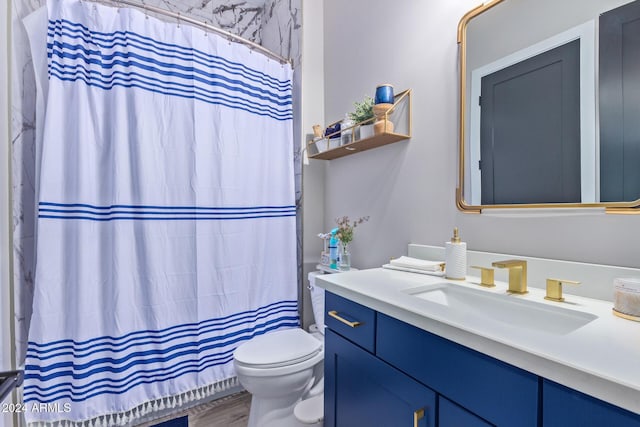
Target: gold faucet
517,274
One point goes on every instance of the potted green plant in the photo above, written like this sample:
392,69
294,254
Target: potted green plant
363,112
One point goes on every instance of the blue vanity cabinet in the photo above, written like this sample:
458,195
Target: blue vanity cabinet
176,422
497,392
384,372
363,391
565,407
452,415
380,371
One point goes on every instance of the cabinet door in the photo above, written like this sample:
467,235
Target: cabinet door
452,415
565,407
363,391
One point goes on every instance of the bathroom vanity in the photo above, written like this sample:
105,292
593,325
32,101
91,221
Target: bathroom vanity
412,349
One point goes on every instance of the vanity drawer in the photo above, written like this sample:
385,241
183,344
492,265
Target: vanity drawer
564,407
353,321
496,391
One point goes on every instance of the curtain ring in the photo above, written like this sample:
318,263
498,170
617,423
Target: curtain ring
213,14
178,19
146,12
206,28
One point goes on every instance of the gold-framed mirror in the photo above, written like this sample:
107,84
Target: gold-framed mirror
532,129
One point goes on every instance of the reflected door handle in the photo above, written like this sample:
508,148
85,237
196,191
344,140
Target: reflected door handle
341,319
417,416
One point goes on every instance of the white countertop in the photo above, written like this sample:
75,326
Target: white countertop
601,358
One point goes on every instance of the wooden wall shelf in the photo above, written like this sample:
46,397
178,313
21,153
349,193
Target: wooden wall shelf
360,145
402,101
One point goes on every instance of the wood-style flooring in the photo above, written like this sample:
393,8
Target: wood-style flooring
229,411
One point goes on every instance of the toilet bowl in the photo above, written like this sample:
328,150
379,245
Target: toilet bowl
282,368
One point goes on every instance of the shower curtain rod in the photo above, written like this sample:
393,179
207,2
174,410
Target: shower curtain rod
204,25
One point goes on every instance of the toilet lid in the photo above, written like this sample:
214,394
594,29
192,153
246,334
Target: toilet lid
310,411
279,348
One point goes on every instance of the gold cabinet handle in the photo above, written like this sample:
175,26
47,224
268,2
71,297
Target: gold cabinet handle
417,416
336,316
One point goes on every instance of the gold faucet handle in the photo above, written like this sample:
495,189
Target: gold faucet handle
486,276
554,288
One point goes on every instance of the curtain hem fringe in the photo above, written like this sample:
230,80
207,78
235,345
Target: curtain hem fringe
126,417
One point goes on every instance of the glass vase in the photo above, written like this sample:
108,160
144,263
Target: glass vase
345,258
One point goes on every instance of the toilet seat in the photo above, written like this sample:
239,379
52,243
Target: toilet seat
278,349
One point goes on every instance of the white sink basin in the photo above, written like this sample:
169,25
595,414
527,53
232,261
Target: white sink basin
503,308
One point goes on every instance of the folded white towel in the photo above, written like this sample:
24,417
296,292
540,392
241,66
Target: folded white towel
413,270
417,264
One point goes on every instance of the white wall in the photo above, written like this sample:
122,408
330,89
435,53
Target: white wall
312,69
408,188
4,189
5,210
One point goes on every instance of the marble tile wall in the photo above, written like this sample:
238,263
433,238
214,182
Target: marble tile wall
23,170
274,24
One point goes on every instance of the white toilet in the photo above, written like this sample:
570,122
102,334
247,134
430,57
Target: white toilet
283,371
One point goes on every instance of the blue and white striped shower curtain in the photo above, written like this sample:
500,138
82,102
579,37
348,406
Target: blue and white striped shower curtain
166,217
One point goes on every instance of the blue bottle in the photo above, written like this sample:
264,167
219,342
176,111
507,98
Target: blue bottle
333,249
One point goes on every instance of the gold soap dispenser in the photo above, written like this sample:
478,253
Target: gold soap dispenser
455,257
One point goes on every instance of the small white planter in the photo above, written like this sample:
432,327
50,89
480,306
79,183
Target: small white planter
321,144
366,131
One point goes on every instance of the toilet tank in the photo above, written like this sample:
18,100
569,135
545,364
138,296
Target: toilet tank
317,300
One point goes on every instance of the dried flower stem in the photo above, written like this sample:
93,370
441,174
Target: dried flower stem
345,228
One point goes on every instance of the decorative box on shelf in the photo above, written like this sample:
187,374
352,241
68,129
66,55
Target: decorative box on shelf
392,124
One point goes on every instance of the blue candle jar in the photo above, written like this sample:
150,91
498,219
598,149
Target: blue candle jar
384,94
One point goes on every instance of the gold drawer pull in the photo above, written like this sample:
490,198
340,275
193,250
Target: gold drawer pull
336,316
417,416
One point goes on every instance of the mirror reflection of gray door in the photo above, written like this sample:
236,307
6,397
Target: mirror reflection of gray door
530,130
620,104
